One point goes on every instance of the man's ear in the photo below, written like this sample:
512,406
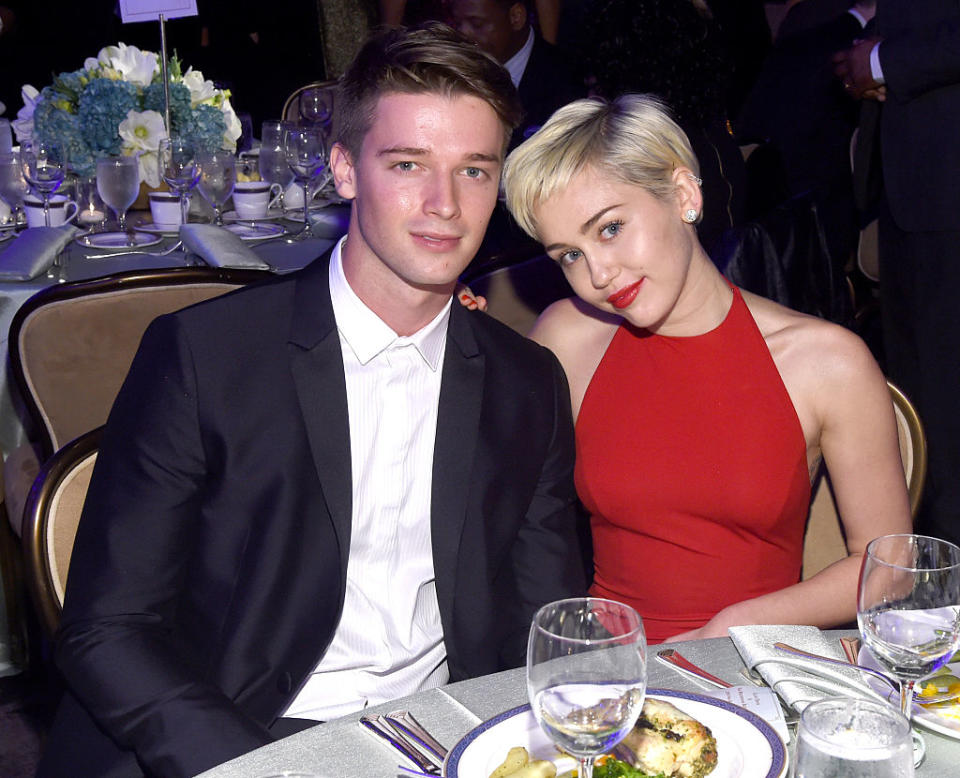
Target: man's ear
344,172
518,16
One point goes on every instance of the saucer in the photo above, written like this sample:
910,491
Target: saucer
272,215
117,241
159,229
255,230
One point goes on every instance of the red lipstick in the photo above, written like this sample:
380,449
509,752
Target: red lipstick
623,297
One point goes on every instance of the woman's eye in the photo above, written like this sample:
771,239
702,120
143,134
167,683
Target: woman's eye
611,229
569,257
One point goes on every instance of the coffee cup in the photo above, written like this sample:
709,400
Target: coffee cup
62,210
252,199
165,210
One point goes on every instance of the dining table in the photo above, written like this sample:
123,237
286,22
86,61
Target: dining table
342,748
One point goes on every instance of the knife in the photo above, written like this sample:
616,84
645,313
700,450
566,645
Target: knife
675,659
383,729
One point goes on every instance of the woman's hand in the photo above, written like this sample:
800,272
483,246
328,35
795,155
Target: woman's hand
469,300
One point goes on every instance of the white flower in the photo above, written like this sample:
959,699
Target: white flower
149,168
23,124
137,67
233,129
142,130
201,90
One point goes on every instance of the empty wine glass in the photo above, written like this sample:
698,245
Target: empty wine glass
118,182
854,738
306,155
316,106
218,173
176,158
908,606
586,674
273,161
43,167
13,186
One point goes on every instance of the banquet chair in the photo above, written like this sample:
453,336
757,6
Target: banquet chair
291,107
70,348
824,542
51,517
517,294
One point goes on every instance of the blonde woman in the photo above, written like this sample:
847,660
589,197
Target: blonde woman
701,410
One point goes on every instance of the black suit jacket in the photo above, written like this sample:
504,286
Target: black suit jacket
912,136
547,83
209,569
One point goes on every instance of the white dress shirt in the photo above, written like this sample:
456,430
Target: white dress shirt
518,62
389,642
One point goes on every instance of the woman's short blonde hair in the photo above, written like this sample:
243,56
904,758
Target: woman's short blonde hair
632,139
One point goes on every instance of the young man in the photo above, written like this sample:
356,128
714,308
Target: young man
334,488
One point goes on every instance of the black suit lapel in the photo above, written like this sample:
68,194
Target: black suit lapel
317,366
458,426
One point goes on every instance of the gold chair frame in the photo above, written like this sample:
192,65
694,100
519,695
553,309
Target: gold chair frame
51,516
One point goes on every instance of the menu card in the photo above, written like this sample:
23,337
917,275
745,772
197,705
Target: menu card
150,10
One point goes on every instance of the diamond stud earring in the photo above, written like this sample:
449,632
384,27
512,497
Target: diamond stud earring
690,215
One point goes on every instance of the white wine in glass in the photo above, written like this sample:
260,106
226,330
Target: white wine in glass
586,674
908,606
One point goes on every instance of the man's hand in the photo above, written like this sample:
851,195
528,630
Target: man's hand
852,67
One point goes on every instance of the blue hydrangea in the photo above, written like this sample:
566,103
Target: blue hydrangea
103,105
54,125
179,100
205,125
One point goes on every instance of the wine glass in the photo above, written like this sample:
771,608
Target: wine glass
306,155
586,674
273,162
44,167
854,738
316,106
118,182
218,173
908,606
13,186
176,158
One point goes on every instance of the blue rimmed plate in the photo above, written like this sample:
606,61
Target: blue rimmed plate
747,747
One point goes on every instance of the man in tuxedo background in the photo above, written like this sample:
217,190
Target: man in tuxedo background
907,168
334,488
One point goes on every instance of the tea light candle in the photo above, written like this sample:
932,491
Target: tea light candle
91,216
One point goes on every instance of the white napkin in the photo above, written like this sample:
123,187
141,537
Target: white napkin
219,247
798,681
33,251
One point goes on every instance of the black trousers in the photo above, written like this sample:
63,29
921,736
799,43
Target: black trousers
920,308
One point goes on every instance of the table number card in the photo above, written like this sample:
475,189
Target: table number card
150,10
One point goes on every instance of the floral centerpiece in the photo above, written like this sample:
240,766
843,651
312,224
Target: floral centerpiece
114,105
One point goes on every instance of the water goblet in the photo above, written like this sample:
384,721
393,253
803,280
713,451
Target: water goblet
316,106
306,155
273,161
13,186
118,183
176,157
908,606
218,173
586,674
854,738
44,168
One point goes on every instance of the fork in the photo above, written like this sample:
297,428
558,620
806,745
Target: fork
165,252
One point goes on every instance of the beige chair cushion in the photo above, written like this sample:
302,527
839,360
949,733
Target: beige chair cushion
63,520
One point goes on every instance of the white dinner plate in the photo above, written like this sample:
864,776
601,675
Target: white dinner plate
747,747
272,215
117,241
255,230
941,717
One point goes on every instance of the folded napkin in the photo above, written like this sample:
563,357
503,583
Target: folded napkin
219,247
33,251
798,681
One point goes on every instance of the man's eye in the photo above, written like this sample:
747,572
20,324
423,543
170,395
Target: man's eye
406,166
612,229
473,172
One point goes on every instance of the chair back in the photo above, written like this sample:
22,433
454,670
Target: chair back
51,517
71,345
291,107
517,294
824,542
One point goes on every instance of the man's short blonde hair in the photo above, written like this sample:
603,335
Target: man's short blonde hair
632,139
